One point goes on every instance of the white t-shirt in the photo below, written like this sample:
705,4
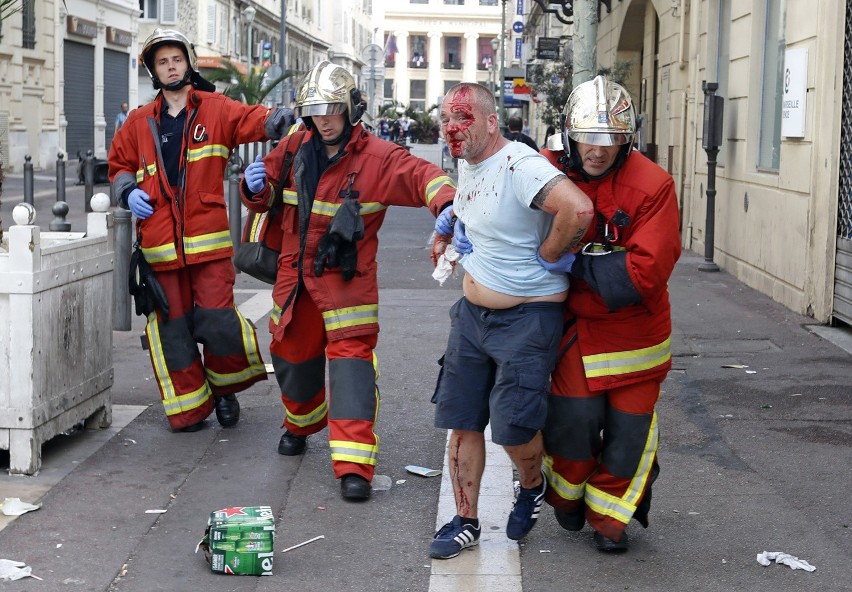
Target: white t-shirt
493,201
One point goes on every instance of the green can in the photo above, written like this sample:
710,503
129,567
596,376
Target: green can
240,540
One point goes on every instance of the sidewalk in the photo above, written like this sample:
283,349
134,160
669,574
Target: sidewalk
756,445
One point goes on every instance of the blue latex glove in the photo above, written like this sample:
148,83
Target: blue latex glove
255,175
444,222
460,241
563,264
137,201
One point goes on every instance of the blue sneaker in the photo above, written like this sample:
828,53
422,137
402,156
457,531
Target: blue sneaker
525,512
453,537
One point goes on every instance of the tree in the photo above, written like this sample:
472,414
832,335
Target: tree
552,81
8,8
251,88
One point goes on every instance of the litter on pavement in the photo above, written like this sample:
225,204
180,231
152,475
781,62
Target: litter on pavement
316,538
15,570
422,471
13,506
768,557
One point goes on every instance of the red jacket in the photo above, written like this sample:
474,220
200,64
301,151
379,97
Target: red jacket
190,222
380,174
620,300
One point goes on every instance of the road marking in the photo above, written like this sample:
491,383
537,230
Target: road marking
256,307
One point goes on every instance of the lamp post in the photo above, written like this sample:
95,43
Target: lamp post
248,14
282,52
502,63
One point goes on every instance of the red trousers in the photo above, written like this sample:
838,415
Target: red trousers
350,405
601,447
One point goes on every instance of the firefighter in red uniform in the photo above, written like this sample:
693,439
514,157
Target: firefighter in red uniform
336,181
601,432
166,164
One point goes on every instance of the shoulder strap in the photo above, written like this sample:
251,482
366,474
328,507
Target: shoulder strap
287,165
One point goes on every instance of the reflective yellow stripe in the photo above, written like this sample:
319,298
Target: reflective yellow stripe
160,254
625,362
206,242
325,208
290,197
356,452
435,185
211,150
140,174
311,418
173,404
622,509
351,316
559,484
275,315
250,346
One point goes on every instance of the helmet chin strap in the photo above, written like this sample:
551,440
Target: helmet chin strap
175,85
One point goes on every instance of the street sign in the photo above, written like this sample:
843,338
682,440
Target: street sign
518,27
373,72
372,54
548,48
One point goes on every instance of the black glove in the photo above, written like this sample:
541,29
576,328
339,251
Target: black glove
148,294
337,248
278,122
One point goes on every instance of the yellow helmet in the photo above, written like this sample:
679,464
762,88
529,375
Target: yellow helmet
328,89
166,37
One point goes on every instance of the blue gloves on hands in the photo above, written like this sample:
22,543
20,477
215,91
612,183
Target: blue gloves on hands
563,264
255,175
137,201
444,222
460,241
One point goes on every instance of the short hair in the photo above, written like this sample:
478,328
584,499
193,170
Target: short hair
515,124
483,97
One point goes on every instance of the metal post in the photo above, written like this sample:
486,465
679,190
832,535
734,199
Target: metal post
282,50
89,175
121,270
235,210
60,208
501,83
28,179
711,140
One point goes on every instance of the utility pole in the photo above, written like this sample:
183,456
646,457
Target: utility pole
501,83
282,50
585,41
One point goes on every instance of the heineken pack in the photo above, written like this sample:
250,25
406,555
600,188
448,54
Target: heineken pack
240,540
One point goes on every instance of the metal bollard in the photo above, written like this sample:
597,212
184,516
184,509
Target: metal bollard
60,209
89,175
235,209
121,270
28,180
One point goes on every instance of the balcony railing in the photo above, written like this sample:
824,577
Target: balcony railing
451,65
422,64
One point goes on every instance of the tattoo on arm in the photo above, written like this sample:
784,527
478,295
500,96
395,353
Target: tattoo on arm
576,240
538,200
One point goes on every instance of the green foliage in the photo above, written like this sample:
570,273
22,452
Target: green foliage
552,81
251,88
9,7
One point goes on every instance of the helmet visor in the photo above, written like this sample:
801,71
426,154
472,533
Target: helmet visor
598,139
320,109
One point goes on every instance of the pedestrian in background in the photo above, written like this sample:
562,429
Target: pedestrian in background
601,434
516,135
550,131
121,117
335,191
167,166
505,330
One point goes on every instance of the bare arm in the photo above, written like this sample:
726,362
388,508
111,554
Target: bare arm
572,213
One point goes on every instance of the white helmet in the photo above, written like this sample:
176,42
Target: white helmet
598,112
328,89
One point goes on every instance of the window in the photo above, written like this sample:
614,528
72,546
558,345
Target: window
486,54
769,155
454,2
488,2
417,89
149,9
418,1
418,51
388,89
448,84
29,23
452,52
723,60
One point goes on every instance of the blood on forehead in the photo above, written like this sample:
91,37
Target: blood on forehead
462,102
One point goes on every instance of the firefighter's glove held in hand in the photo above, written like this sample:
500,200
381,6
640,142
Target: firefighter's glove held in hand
255,175
563,264
444,222
337,248
148,294
137,201
460,241
278,122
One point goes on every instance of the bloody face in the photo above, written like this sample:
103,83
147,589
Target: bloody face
465,126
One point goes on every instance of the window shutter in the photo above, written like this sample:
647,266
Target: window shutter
169,12
211,24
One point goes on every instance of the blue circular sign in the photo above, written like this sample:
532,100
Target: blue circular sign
518,27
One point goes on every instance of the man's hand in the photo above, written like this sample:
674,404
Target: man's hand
255,175
444,222
137,201
563,264
460,241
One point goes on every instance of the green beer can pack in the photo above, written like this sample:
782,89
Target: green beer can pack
240,540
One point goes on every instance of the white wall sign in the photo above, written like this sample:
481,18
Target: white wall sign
795,93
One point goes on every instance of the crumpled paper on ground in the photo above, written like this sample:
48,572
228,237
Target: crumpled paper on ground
768,557
14,570
13,506
446,264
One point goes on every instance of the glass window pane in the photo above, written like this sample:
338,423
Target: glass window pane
769,155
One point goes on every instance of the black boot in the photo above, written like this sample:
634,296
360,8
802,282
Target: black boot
610,546
291,444
354,487
572,521
227,410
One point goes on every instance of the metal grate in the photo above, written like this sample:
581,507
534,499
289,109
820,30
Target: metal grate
844,214
4,140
